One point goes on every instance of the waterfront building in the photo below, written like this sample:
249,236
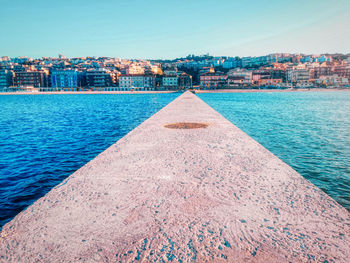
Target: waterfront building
298,75
104,72
170,82
269,82
158,81
34,78
149,82
100,78
240,77
125,82
217,80
342,70
334,80
243,73
137,82
277,73
65,78
317,72
6,77
260,75
235,81
266,78
184,81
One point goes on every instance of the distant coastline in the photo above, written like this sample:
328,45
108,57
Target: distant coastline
86,92
169,91
266,90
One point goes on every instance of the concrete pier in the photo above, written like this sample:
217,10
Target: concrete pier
184,186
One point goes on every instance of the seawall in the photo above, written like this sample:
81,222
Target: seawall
162,193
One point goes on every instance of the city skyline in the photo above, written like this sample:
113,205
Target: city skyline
158,30
188,56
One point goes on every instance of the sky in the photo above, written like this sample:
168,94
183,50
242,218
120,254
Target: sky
162,29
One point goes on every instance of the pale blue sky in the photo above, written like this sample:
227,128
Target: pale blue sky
169,29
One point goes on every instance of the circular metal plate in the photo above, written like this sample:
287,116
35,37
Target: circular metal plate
186,125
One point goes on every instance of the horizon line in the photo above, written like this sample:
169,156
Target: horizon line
195,55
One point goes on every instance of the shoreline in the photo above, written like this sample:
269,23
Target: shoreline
87,92
266,90
169,91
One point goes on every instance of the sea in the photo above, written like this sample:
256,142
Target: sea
310,131
45,138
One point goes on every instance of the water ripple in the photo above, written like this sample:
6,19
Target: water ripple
310,131
45,138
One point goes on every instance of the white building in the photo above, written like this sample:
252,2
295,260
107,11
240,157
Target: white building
333,80
300,75
136,82
245,74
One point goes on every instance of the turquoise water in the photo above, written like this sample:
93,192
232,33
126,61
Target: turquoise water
310,131
45,138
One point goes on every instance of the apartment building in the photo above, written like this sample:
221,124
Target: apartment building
245,74
170,82
342,70
136,82
100,78
34,78
184,81
66,79
300,76
215,80
317,72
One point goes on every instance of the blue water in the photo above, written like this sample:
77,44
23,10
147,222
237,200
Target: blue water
45,138
310,131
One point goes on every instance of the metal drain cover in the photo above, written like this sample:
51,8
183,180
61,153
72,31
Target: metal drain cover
186,125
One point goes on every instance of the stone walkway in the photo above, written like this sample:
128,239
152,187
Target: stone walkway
207,194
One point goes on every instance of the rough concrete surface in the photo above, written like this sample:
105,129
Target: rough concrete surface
184,195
